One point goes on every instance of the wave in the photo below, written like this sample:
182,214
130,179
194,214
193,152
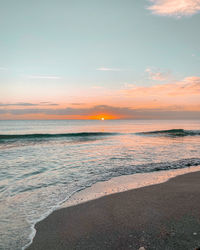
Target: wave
41,136
172,133
46,136
154,166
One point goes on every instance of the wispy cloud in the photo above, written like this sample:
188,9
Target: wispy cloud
176,8
157,75
97,87
47,104
188,86
77,103
48,77
27,104
108,69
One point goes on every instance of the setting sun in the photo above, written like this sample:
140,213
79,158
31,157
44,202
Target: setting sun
103,117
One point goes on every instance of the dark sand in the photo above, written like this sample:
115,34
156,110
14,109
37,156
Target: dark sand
162,216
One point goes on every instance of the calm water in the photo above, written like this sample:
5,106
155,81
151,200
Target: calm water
43,163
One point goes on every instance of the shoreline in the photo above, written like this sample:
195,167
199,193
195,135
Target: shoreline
124,183
76,203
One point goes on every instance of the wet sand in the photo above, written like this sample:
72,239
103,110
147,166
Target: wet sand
162,216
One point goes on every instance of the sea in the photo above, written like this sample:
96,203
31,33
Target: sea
44,163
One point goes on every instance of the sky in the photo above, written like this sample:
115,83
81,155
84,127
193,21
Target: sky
88,59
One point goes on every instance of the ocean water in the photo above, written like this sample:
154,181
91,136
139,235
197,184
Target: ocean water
44,163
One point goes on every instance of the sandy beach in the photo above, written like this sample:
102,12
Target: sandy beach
162,216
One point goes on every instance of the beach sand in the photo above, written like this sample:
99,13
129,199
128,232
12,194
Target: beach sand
162,216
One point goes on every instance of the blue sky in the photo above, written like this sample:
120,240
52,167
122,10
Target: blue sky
53,50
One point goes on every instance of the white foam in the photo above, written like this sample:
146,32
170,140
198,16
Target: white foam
124,183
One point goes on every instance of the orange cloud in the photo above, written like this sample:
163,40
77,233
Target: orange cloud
170,100
176,8
170,112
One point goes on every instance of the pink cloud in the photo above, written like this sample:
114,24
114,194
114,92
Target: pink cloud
177,8
157,76
188,86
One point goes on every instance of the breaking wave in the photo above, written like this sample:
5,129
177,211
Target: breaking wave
172,133
46,136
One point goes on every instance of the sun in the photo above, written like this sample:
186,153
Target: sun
103,117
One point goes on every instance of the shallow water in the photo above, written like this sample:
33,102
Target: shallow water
44,162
